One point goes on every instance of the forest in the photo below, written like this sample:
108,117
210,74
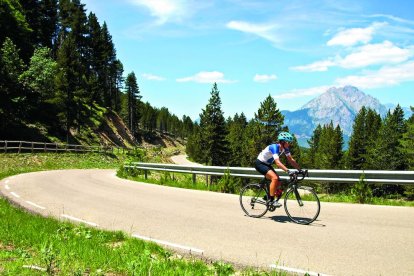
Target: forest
59,69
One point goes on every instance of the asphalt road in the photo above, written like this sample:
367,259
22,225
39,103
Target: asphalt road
346,239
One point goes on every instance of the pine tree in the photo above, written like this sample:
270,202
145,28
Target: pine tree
12,93
133,93
387,153
271,120
314,146
188,126
13,24
329,151
365,131
338,143
66,84
213,132
407,141
235,138
42,18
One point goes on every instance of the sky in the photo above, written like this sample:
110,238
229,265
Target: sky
292,50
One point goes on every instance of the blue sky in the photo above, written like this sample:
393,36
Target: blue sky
293,50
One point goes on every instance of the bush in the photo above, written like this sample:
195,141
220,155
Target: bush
362,191
228,184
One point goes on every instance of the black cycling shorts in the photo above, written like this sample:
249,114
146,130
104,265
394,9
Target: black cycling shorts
263,168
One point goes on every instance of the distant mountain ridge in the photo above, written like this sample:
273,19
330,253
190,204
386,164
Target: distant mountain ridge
339,105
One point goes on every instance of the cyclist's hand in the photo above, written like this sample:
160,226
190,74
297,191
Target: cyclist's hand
291,172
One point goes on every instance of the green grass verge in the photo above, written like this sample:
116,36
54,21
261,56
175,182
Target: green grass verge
34,245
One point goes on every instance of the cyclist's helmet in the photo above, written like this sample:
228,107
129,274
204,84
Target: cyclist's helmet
285,137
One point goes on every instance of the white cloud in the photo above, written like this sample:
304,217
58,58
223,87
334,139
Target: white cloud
152,77
353,36
317,66
262,30
297,93
381,53
264,78
165,10
366,55
386,76
206,77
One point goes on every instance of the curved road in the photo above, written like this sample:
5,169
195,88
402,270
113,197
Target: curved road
346,240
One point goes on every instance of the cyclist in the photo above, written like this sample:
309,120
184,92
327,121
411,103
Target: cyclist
271,154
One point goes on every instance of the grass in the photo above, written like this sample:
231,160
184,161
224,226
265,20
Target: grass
35,245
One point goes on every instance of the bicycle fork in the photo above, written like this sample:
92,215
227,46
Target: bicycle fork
297,195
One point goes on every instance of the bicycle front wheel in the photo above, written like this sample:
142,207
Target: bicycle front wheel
253,200
302,205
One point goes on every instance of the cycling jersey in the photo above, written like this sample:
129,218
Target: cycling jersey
272,152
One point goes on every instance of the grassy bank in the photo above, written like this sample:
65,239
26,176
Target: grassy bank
34,245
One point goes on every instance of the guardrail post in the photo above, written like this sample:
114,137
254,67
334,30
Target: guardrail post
45,147
20,146
32,147
5,146
194,178
146,174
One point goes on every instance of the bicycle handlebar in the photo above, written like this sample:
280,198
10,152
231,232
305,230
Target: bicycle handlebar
299,175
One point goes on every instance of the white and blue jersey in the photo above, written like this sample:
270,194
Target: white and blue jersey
272,152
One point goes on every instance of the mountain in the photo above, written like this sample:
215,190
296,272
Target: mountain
339,105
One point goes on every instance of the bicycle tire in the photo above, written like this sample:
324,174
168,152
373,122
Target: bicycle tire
302,205
252,200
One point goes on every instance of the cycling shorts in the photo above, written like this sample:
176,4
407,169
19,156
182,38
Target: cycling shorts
263,168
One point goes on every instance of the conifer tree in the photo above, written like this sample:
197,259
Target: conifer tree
386,153
407,141
235,138
329,151
133,93
365,130
11,91
213,132
271,120
13,24
67,83
314,146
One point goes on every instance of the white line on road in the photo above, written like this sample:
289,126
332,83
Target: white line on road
295,270
79,220
7,187
35,205
195,250
7,181
14,194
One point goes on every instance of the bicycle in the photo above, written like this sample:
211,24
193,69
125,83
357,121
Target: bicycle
301,203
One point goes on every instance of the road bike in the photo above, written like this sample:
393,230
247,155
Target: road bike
301,203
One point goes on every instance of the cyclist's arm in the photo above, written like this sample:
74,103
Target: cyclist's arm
280,165
293,162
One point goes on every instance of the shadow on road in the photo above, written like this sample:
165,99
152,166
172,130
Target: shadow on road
285,219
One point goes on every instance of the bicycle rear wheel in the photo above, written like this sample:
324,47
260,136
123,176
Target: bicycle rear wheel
253,200
302,205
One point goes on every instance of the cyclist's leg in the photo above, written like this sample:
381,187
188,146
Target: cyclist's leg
275,181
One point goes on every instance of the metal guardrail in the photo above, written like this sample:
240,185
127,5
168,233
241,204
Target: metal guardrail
337,176
26,146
